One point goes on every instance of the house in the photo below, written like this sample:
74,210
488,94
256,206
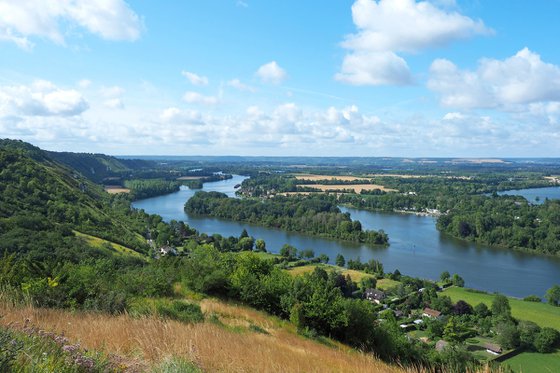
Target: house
432,314
374,295
167,250
441,345
493,349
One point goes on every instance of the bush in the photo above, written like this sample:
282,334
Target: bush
180,311
532,298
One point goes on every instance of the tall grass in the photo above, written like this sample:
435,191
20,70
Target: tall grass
206,345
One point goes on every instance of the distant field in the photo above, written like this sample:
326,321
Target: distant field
533,362
386,283
114,189
355,187
540,313
98,242
329,177
354,275
189,178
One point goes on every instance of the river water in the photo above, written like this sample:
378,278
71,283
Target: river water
416,246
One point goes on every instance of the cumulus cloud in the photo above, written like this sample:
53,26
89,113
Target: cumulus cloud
114,103
178,116
505,84
109,19
271,73
236,83
197,98
112,95
42,98
388,27
195,79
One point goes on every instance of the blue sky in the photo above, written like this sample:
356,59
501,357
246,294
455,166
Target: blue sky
350,78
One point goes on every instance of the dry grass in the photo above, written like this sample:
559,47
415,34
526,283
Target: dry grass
354,275
189,178
114,189
312,177
212,347
98,242
357,188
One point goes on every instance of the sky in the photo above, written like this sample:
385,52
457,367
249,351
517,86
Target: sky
400,78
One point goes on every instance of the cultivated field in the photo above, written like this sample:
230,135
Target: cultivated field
312,177
540,313
354,275
189,178
114,189
241,340
357,188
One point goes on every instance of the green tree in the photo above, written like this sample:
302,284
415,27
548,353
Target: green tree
454,331
445,276
340,261
458,281
553,295
323,258
288,251
260,245
481,310
500,306
508,335
546,340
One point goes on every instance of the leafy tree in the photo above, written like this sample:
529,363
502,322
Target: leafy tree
288,251
508,335
307,253
323,258
368,282
532,298
340,261
260,245
445,276
434,328
454,331
481,310
462,308
553,295
204,272
500,306
546,340
528,330
458,281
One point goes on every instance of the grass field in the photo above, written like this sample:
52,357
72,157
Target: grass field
329,177
357,188
540,313
386,283
233,339
99,243
354,275
533,362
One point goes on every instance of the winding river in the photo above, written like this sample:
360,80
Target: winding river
416,247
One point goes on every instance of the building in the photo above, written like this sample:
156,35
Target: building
374,295
493,349
432,314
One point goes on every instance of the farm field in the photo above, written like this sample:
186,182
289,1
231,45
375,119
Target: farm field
357,188
313,177
354,275
533,362
540,313
114,189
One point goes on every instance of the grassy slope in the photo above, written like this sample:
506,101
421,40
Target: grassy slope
238,339
540,313
533,362
355,275
99,243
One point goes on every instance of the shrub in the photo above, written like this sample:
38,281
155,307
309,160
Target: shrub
180,311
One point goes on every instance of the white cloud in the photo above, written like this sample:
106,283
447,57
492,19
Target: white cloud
84,83
113,91
42,98
195,79
374,68
505,84
388,27
197,98
178,116
114,103
236,83
110,19
271,73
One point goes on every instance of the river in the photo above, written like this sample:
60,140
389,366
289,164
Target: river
416,246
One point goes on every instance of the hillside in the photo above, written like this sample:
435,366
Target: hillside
233,339
98,167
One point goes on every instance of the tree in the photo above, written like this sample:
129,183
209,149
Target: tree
481,310
454,331
445,276
458,281
508,335
434,328
340,261
500,306
260,245
546,340
462,308
288,251
245,244
368,282
553,295
307,253
323,258
528,330
244,234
